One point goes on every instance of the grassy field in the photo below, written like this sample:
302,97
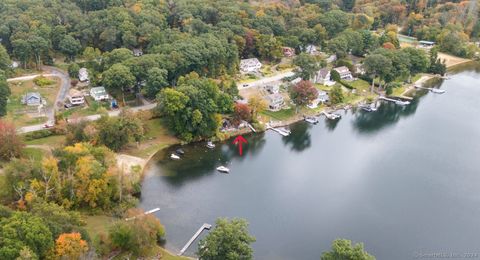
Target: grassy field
35,154
157,137
53,141
16,111
281,115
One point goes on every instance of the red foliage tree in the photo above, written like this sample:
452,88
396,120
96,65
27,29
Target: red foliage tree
303,93
242,112
10,143
388,45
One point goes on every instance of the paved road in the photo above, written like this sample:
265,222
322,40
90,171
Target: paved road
266,80
33,128
65,84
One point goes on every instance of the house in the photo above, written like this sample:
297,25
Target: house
311,49
426,44
75,97
137,52
344,73
14,64
272,89
99,94
83,75
250,65
288,51
331,58
275,102
359,69
321,98
322,76
32,99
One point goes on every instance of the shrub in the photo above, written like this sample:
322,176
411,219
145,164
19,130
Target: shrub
38,134
42,81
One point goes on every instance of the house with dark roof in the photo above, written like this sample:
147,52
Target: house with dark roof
32,99
322,76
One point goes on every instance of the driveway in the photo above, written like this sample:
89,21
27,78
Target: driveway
266,80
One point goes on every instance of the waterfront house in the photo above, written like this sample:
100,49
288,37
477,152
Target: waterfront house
311,49
250,65
321,98
288,51
344,72
83,75
76,97
275,102
99,94
32,99
322,76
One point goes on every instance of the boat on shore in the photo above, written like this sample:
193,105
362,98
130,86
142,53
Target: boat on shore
210,145
174,157
402,103
368,108
223,169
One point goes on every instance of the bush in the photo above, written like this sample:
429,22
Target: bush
346,84
38,134
42,81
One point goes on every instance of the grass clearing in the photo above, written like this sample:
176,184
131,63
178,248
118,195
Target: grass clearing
35,154
281,115
53,141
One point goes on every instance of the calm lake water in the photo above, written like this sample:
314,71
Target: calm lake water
405,181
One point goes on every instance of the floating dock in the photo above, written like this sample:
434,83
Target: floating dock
396,101
281,131
434,90
141,215
331,116
195,236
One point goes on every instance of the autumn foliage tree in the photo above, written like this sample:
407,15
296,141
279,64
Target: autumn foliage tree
303,93
70,246
10,143
242,112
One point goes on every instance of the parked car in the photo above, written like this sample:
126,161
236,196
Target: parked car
49,124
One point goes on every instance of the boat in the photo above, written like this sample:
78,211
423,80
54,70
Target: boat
174,157
180,151
332,116
402,103
210,145
284,131
437,91
223,169
368,108
311,120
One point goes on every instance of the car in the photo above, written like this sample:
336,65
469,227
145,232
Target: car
49,124
245,85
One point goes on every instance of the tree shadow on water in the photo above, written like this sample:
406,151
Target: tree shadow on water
300,138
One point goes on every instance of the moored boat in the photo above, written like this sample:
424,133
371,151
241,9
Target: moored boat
174,157
223,169
180,151
210,145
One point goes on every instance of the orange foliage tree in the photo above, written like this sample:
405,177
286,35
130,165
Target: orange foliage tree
70,246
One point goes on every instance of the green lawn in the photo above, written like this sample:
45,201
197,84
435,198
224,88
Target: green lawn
33,153
54,140
98,224
281,115
360,85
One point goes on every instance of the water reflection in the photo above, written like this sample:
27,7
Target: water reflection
200,161
300,138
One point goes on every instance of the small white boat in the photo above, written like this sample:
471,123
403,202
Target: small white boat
402,103
369,108
284,131
174,157
311,120
437,91
223,169
210,145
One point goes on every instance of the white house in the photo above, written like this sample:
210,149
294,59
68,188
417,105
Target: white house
426,44
311,49
322,98
275,102
137,52
250,65
344,72
83,75
272,89
322,76
76,97
99,94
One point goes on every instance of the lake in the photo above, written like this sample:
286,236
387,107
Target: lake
405,181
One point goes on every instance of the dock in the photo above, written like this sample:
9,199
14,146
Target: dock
396,101
434,90
141,215
330,116
251,128
195,236
280,131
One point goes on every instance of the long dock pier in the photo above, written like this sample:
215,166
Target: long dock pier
195,236
396,101
141,215
434,90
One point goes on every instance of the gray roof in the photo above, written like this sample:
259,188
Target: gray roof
323,72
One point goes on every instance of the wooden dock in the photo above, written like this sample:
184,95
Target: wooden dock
396,101
141,215
195,236
251,127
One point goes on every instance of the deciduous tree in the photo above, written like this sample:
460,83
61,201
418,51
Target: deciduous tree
343,249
